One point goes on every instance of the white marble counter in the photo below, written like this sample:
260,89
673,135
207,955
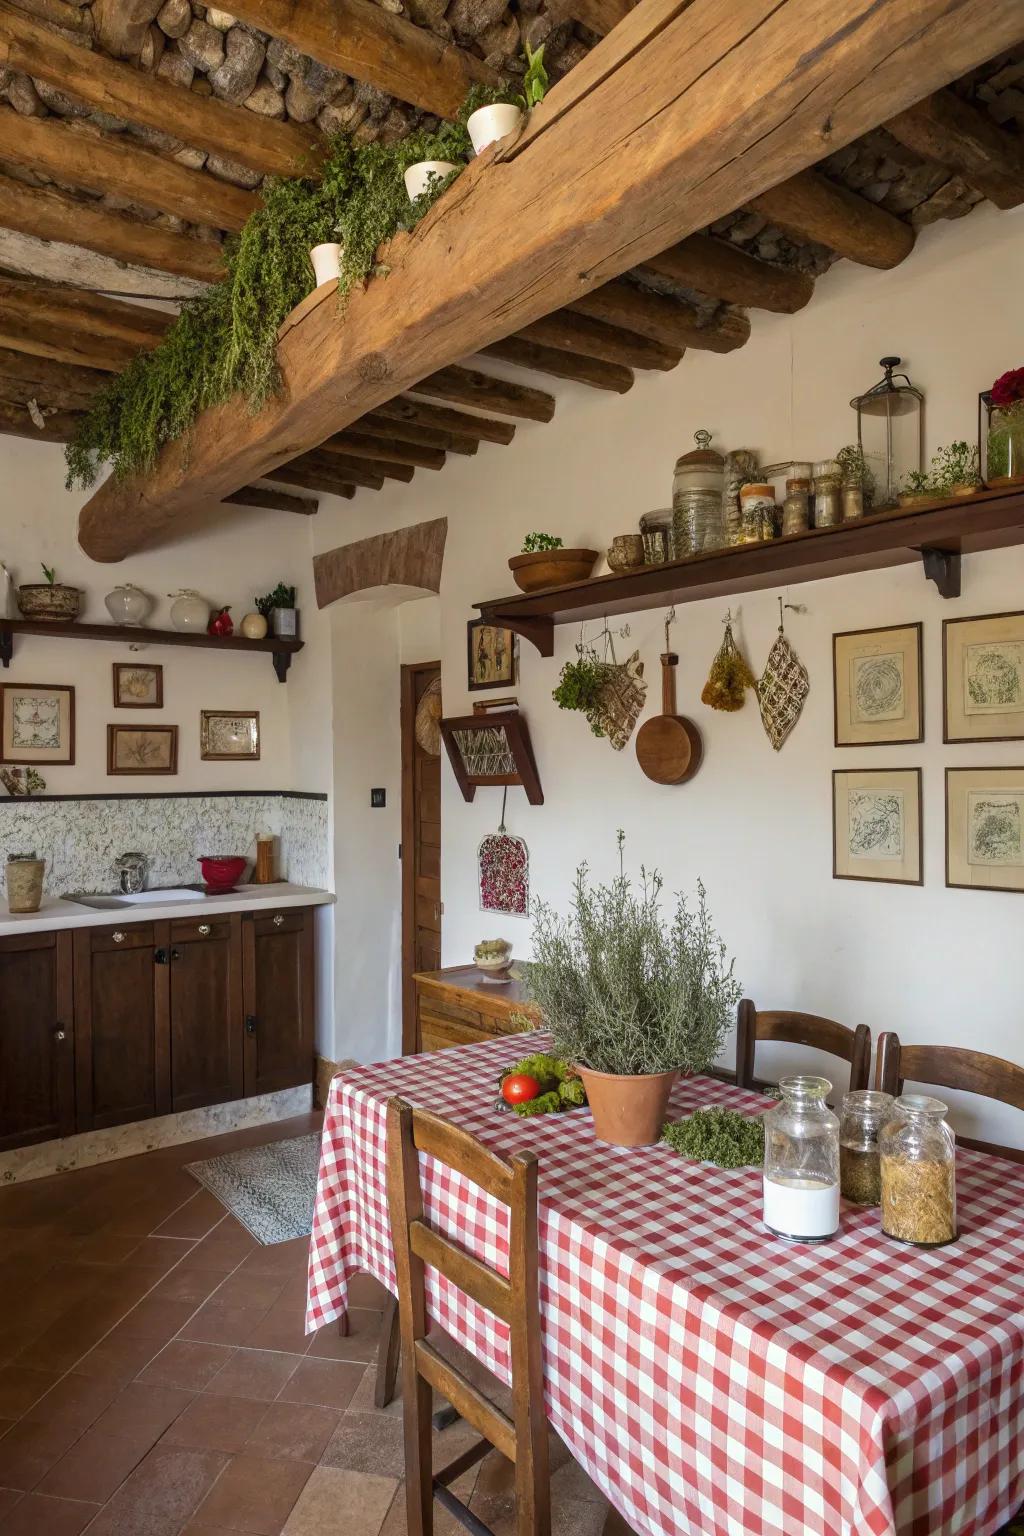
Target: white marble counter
58,912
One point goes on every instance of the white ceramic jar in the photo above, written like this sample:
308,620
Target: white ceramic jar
189,612
419,176
128,604
489,124
326,259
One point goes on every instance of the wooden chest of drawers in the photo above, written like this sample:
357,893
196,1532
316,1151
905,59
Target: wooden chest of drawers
456,1007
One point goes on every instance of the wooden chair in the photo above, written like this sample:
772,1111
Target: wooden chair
523,1438
949,1066
852,1045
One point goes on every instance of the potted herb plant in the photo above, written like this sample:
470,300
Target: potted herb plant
955,469
917,486
500,112
49,599
631,999
545,563
280,612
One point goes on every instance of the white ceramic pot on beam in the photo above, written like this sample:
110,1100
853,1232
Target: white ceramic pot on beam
489,124
419,176
325,259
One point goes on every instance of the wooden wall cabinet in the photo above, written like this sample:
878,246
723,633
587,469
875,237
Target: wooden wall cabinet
455,1006
107,1025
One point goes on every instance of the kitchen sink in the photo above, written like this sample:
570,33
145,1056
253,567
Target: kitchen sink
100,900
103,901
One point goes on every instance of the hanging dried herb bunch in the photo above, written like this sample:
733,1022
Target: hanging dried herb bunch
730,676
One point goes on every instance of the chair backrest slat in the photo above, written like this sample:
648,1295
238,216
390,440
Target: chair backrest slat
948,1066
467,1399
485,1285
810,1029
459,1150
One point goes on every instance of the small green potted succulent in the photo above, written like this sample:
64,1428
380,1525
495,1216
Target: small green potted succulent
280,612
50,599
956,470
545,562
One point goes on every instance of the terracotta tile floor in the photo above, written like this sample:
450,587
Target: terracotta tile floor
155,1379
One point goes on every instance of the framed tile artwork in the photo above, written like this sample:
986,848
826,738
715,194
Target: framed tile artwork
229,735
138,686
37,723
142,749
983,678
876,825
877,674
985,828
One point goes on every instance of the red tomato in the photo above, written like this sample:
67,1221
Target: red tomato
519,1088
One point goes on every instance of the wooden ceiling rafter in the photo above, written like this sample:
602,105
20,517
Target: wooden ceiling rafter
949,131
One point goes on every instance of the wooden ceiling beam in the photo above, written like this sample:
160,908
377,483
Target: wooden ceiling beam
810,207
682,114
82,155
24,376
669,320
310,479
467,386
610,342
362,39
355,468
389,450
724,272
58,13
274,501
441,418
405,433
599,16
958,136
50,215
274,148
16,420
561,365
69,326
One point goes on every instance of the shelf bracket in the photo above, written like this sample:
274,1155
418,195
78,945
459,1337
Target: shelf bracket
6,646
539,631
943,567
282,661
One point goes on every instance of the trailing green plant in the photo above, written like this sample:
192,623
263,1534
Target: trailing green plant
580,684
720,1136
956,464
624,991
281,597
536,543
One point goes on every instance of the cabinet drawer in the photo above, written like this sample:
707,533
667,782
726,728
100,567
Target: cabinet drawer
265,924
130,936
442,1008
185,928
436,1034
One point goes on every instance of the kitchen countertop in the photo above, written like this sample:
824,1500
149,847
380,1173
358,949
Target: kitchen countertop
58,912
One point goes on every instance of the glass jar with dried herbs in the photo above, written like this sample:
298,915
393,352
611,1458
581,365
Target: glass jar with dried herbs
918,1168
862,1116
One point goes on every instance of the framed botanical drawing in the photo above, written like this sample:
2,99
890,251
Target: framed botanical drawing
37,723
229,735
879,699
142,749
983,678
876,825
138,686
491,656
985,828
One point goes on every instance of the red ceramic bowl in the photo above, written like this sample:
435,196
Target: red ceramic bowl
221,872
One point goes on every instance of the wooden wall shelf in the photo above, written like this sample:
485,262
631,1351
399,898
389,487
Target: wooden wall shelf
281,650
937,533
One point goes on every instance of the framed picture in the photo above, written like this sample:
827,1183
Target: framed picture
227,735
876,825
983,678
877,680
138,686
491,655
142,749
37,723
985,828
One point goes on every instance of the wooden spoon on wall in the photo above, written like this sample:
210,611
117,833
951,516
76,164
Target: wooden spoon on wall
668,746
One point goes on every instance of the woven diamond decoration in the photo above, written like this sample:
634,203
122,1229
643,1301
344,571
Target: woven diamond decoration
782,690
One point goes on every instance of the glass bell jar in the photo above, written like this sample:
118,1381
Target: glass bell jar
890,431
801,1162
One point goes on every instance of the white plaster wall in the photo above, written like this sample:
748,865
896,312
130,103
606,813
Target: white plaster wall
934,964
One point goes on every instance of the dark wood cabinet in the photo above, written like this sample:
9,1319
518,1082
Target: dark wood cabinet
37,1084
199,994
115,1026
457,1007
277,967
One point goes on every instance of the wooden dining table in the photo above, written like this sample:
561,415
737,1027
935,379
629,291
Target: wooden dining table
712,1379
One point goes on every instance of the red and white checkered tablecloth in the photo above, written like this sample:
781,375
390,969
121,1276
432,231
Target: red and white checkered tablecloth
712,1379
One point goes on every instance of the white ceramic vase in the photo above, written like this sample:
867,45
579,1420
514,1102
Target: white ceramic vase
189,612
128,604
489,124
325,259
419,176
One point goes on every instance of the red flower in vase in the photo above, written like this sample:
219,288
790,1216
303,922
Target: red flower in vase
1008,389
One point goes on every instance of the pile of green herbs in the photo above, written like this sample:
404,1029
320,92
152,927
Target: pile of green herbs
224,341
720,1136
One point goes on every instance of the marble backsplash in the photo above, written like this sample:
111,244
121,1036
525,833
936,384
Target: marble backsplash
81,837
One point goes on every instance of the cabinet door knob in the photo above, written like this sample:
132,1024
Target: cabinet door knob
59,1034
204,929
250,1024
278,920
118,936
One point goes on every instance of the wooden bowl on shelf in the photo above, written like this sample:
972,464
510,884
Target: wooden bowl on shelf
551,568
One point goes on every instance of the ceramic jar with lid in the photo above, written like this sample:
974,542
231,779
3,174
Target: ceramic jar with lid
828,487
189,612
757,513
128,604
698,499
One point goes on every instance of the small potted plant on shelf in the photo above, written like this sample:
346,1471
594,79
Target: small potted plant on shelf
280,612
544,562
49,599
955,469
493,112
917,486
630,999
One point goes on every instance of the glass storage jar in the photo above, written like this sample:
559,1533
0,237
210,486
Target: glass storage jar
698,499
801,1162
853,502
796,512
918,1165
656,529
828,489
757,513
862,1116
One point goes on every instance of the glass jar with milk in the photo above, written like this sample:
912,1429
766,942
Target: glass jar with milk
801,1162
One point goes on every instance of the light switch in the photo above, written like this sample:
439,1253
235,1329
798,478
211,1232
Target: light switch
378,799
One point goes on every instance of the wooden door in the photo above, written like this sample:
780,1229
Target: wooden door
277,980
115,1025
202,1003
37,1082
421,847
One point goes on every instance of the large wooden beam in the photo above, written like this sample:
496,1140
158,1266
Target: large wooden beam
723,272
467,386
26,376
78,328
388,449
609,341
51,216
561,365
599,15
362,39
80,154
670,320
951,132
281,149
355,469
683,113
59,13
442,418
810,207
17,420
314,480
376,425
274,501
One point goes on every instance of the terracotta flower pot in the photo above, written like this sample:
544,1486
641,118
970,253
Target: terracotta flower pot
628,1111
551,568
